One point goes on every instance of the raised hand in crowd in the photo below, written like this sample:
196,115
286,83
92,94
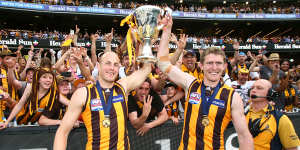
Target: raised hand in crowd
173,38
146,111
18,52
182,41
147,105
86,58
181,45
94,38
77,29
28,63
109,36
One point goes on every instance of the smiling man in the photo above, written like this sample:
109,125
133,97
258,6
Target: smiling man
144,105
103,107
210,105
189,64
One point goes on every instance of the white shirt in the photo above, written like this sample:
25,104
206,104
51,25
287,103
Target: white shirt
243,90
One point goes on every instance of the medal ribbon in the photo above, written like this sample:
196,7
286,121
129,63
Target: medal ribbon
207,100
106,106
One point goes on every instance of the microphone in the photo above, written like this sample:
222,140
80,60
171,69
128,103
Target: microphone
255,96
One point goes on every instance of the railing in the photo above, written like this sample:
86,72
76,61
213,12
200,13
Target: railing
164,137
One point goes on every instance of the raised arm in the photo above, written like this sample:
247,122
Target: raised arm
94,38
86,58
74,110
76,35
181,45
85,71
238,118
61,61
253,66
235,46
108,38
18,107
28,63
175,74
136,78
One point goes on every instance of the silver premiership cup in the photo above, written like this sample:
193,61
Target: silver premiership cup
146,19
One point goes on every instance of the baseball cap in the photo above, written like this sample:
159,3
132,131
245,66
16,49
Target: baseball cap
243,70
169,84
242,54
189,52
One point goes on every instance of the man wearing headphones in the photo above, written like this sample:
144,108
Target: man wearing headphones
269,128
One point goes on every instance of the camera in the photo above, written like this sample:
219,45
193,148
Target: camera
66,74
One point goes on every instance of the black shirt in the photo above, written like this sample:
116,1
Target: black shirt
156,105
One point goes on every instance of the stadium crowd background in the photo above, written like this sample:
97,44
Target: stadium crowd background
226,7
288,66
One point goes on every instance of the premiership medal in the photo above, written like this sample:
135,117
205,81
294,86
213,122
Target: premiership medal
106,106
205,121
106,122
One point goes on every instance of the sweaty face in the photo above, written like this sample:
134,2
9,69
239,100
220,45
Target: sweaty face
285,66
64,87
189,61
46,80
213,67
243,77
143,91
171,91
109,67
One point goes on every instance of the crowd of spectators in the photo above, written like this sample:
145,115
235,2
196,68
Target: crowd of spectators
201,39
225,7
83,69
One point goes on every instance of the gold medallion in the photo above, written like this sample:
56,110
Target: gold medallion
205,121
106,122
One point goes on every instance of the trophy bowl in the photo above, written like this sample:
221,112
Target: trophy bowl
146,20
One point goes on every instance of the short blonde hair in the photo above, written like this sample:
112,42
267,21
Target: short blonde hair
213,50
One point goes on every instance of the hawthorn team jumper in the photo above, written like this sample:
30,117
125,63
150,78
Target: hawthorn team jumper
93,116
218,116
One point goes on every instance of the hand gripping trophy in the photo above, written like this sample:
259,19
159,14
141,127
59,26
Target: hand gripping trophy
145,20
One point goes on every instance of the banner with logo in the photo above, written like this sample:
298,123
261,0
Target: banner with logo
55,44
125,12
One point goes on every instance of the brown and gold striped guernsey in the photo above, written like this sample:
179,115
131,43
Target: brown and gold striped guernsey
196,73
195,136
8,88
4,85
114,137
24,116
